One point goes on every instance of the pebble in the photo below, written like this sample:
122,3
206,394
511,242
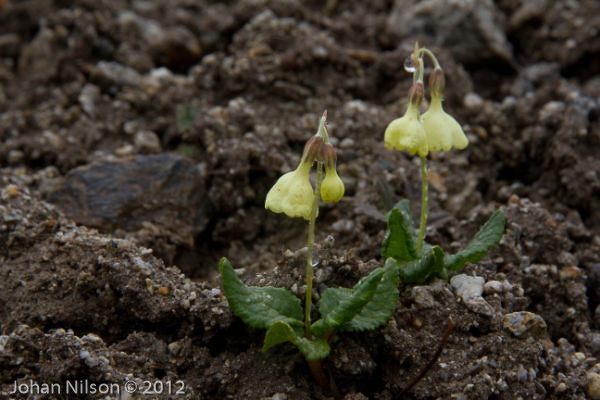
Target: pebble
422,295
467,286
593,385
473,101
524,323
470,289
593,341
147,141
15,157
174,347
551,111
569,273
277,396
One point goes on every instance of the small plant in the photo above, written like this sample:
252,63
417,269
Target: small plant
372,301
404,247
369,304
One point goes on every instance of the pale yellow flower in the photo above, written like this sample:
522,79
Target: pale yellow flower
292,194
332,187
441,129
407,133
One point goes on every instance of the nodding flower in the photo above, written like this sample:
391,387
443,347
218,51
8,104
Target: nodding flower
407,133
292,194
441,129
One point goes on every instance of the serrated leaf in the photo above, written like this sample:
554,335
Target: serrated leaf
381,306
281,332
430,263
400,239
260,307
339,307
488,236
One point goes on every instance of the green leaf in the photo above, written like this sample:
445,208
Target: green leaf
381,306
488,236
430,263
339,306
400,239
260,307
281,332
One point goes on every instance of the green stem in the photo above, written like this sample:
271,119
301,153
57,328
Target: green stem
433,58
310,246
424,201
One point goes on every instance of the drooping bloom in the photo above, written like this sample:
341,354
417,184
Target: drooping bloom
441,129
292,194
407,133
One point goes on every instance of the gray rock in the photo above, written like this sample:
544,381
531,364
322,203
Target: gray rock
158,197
467,286
470,288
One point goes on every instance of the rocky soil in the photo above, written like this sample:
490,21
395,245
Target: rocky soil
139,140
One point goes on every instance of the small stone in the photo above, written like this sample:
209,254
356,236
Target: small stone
522,374
524,324
593,341
467,286
9,191
593,385
473,101
492,287
150,285
125,150
422,295
147,141
15,157
569,273
347,143
164,290
551,111
277,396
479,306
174,347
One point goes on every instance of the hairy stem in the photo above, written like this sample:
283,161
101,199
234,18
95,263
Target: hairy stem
424,201
310,246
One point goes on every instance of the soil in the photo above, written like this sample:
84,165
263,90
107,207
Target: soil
139,140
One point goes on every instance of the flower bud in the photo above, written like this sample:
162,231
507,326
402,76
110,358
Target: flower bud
313,149
416,94
437,83
332,187
328,156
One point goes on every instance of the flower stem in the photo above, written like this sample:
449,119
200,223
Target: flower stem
310,246
424,201
433,58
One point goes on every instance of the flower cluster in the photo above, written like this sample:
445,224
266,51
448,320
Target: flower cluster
293,193
435,130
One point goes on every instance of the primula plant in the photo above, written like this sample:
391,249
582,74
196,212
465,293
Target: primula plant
369,304
435,130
